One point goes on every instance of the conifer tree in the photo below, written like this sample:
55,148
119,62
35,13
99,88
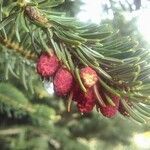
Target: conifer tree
91,67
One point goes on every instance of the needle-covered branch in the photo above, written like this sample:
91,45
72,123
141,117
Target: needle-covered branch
121,66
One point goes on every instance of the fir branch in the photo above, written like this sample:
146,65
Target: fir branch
119,63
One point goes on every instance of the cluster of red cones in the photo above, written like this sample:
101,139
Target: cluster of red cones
66,85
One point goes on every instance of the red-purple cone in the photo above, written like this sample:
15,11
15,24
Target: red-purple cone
63,82
85,101
110,111
47,65
88,76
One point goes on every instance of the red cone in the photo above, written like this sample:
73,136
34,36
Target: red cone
85,101
63,82
110,111
89,76
47,65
